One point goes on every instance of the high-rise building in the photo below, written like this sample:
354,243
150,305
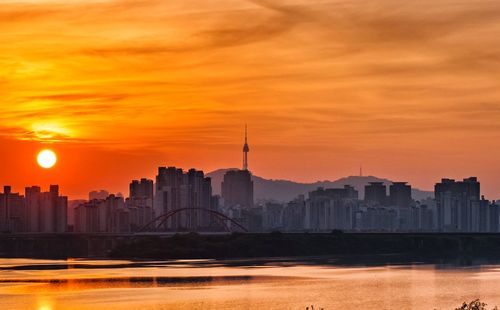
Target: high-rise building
140,203
272,218
376,193
400,195
170,194
54,211
142,188
11,211
294,214
103,215
87,217
493,217
237,189
33,212
189,191
332,208
458,204
426,218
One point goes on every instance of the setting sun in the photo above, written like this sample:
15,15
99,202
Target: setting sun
47,159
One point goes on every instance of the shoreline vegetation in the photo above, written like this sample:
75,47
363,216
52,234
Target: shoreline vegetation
374,247
277,244
476,304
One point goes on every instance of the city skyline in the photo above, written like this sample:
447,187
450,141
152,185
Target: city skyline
120,191
323,86
183,201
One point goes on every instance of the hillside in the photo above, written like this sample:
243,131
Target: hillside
284,190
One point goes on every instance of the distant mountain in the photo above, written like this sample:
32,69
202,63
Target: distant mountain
284,190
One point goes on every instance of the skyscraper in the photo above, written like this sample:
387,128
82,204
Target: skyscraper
376,193
171,194
11,211
142,188
400,195
331,208
33,211
237,189
54,211
178,190
458,204
140,202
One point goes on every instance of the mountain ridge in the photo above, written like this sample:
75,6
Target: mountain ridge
286,190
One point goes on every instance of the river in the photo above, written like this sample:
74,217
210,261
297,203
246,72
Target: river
247,284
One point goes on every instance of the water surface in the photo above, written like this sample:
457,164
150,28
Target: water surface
247,284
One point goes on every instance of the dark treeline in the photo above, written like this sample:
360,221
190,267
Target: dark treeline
278,244
239,245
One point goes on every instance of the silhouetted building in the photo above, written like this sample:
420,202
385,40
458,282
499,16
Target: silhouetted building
237,189
171,194
46,212
294,214
141,212
272,216
426,218
484,215
400,195
458,204
493,217
108,215
376,193
33,209
189,191
140,203
11,211
143,189
328,209
87,217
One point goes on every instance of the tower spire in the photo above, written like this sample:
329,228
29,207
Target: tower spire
246,149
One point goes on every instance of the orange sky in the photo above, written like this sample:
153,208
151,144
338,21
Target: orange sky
410,89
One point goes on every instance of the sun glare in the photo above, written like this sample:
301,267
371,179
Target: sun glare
47,159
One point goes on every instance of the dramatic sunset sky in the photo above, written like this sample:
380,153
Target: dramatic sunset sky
408,89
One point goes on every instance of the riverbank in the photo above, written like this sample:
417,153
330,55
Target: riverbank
295,245
228,246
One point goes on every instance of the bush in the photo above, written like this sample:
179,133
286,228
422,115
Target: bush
474,305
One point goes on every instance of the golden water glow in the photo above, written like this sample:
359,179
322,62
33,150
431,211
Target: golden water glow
277,286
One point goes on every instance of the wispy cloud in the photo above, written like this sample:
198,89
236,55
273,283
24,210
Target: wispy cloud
154,72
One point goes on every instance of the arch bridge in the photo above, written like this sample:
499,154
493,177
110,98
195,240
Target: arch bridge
222,218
